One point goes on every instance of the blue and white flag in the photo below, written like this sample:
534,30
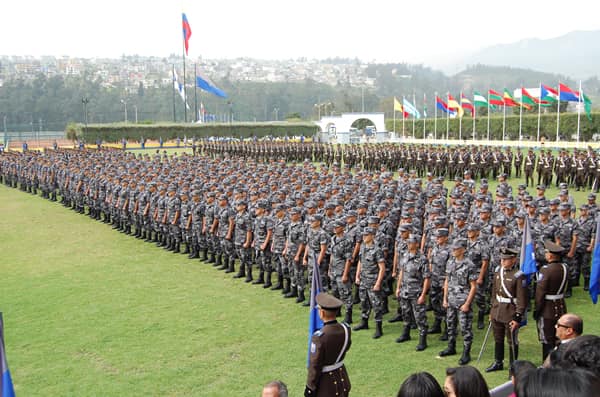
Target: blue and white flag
205,84
595,272
314,321
6,385
528,263
179,88
410,109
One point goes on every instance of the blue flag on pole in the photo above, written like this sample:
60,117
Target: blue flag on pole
6,385
528,263
205,84
314,321
595,273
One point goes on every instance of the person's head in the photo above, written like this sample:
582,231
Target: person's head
569,326
518,369
329,306
555,382
275,388
465,381
582,352
421,384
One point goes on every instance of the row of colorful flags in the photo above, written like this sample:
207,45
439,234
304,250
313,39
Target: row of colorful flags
548,96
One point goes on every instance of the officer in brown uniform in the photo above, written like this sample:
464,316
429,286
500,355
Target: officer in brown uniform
327,374
550,304
509,301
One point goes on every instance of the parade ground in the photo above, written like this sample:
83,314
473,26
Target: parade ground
89,311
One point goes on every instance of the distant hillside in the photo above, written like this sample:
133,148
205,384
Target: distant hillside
576,54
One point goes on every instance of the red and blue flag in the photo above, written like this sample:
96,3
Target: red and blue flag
567,94
187,32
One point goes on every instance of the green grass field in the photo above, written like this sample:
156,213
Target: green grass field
89,311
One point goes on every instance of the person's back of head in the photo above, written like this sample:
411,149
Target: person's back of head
421,384
582,352
465,381
558,382
275,388
519,369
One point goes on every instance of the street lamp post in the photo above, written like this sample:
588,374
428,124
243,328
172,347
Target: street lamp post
124,102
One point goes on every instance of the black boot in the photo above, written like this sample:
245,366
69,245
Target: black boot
219,261
378,330
242,272
248,274
225,263
177,247
450,350
356,297
279,284
396,318
204,255
436,327
194,254
444,335
364,324
422,342
466,355
268,280
231,267
480,316
300,297
212,258
293,293
586,283
348,317
569,291
405,335
187,249
286,285
497,365
260,279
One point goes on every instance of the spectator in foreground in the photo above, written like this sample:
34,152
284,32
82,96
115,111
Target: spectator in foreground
518,370
275,388
583,352
558,382
465,381
421,384
568,327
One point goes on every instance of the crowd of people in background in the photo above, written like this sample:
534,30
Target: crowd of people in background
267,214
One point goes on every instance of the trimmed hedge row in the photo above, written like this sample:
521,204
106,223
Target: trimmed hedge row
568,126
115,132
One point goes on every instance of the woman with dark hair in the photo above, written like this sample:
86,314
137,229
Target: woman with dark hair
557,382
465,381
421,384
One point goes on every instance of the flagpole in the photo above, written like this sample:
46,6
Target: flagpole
521,113
195,95
447,117
394,104
503,120
579,111
539,113
488,123
435,119
460,122
174,112
402,115
424,113
474,114
558,114
415,103
184,88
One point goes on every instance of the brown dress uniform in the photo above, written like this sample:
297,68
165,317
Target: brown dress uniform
549,302
327,374
509,301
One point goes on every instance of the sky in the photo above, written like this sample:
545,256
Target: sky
384,31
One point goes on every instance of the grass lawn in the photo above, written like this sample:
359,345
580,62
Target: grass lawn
89,311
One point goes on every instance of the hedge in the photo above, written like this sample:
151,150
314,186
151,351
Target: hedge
568,126
115,132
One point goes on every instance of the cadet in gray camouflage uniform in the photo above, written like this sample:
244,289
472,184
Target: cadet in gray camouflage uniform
317,241
185,221
280,227
172,215
438,258
369,278
225,225
459,291
478,252
414,280
294,253
242,240
209,228
342,247
263,231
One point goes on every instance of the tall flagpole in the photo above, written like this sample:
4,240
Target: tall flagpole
394,104
460,122
174,113
184,88
435,118
558,113
503,120
415,103
579,110
447,116
424,114
402,115
521,113
488,123
474,115
539,113
195,96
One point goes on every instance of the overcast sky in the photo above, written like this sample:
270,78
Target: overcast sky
393,30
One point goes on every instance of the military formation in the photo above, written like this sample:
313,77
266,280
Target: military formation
401,244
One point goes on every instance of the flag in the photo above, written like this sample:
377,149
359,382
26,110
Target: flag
425,106
205,84
399,108
6,385
411,109
465,103
440,104
595,273
528,99
528,263
179,88
453,104
187,32
587,102
479,100
495,98
548,94
508,99
314,321
567,94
